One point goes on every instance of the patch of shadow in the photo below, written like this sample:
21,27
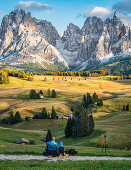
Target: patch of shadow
32,112
5,110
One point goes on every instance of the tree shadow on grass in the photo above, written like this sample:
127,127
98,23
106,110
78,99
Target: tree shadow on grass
32,112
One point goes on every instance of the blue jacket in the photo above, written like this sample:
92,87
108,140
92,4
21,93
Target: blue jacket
52,145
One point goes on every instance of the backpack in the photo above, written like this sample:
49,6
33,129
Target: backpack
71,151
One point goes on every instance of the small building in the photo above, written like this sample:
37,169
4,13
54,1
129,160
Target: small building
60,116
41,96
22,141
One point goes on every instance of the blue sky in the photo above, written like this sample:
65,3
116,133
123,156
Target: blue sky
61,12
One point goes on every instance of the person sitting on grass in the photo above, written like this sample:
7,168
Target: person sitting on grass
61,148
52,148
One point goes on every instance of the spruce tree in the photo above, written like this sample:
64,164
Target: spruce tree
41,92
53,113
49,93
127,107
88,99
72,109
84,101
44,113
99,102
12,114
69,126
17,117
48,116
91,124
53,94
33,94
95,97
83,124
48,136
124,108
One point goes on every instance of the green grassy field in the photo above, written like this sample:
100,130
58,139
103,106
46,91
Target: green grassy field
108,119
95,165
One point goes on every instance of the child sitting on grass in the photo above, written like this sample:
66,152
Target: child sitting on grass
61,148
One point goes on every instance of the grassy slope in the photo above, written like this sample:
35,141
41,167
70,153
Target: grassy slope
115,123
95,165
118,66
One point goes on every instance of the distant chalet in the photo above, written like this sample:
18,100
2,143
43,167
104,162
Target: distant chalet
22,141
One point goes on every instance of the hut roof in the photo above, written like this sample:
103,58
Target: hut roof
22,140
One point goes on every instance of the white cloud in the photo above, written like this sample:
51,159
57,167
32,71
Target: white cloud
34,6
99,12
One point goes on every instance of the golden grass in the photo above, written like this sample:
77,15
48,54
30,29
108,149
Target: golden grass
99,114
4,105
75,87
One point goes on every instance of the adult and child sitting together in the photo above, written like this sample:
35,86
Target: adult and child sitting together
53,149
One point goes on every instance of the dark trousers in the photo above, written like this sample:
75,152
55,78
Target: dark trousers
53,152
61,150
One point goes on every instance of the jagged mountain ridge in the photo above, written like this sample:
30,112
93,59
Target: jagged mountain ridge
101,40
24,39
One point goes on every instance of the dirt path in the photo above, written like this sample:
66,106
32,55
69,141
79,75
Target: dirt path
71,158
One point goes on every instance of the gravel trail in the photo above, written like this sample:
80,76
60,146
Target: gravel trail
55,159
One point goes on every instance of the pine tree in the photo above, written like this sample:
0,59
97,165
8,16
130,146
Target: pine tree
48,136
33,94
43,114
91,124
17,117
83,124
127,107
69,126
49,93
95,97
48,116
41,92
53,94
84,101
124,108
72,109
53,114
12,114
88,99
99,102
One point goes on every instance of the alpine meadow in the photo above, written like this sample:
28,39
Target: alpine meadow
65,98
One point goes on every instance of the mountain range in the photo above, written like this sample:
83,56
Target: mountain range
27,40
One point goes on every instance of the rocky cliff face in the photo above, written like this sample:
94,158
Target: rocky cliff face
24,39
99,40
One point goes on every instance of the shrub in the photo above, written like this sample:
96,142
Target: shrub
32,142
31,78
27,118
4,77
